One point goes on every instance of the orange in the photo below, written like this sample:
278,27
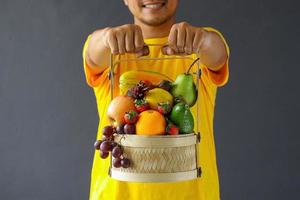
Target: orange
150,122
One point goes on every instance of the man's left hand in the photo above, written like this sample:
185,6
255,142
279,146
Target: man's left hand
184,39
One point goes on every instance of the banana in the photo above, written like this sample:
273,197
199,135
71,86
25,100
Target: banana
131,78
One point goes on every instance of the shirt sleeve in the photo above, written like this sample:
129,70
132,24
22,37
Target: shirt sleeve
220,77
93,75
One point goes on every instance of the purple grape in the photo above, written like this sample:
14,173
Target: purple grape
113,145
108,130
104,154
105,146
107,138
117,152
129,129
120,129
97,144
125,162
117,162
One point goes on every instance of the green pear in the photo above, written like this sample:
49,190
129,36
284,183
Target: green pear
184,89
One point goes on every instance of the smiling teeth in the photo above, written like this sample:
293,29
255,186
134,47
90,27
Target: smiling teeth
154,6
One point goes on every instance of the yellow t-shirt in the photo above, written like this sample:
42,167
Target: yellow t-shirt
204,188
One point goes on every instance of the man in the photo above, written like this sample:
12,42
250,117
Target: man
154,23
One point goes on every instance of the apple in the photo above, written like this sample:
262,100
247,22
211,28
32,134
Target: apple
117,109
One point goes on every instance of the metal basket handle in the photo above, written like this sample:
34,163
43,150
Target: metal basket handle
112,64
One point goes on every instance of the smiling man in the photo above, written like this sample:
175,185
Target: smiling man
154,23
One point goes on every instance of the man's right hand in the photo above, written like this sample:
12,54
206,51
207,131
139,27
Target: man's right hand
117,40
125,39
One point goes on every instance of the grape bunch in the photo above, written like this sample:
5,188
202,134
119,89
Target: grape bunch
107,145
140,90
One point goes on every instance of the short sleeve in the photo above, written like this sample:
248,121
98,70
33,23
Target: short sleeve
220,77
93,75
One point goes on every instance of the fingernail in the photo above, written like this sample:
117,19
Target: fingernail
164,50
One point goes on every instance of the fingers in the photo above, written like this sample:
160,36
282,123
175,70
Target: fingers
188,48
181,33
121,42
138,39
172,40
184,39
126,39
113,43
167,50
197,40
143,52
140,48
129,42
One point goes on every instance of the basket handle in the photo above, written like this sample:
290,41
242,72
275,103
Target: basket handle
112,64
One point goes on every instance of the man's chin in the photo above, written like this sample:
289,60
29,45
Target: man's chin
154,21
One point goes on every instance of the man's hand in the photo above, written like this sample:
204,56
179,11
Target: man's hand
185,39
125,39
117,40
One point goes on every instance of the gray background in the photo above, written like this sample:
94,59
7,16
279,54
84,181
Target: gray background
48,116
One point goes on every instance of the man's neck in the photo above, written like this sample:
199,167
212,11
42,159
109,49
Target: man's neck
162,30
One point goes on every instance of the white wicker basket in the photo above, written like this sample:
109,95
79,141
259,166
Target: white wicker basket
163,158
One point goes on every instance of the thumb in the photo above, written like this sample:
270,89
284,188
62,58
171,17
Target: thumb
143,52
166,50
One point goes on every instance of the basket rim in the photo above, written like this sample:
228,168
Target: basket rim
157,136
161,141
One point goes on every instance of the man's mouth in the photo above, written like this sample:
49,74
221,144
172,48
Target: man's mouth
154,5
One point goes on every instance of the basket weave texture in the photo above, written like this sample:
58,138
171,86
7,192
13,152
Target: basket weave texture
160,159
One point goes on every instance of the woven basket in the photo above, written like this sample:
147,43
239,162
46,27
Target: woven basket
166,158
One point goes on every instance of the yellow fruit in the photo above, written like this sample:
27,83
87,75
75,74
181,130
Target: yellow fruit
131,78
158,95
150,122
